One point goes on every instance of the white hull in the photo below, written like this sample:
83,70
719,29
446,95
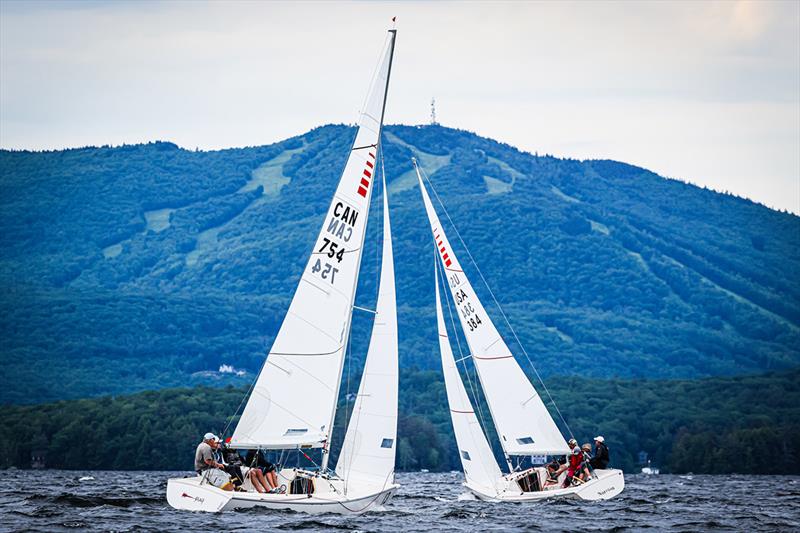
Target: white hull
191,494
608,484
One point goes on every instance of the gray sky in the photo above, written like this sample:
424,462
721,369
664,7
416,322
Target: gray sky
706,92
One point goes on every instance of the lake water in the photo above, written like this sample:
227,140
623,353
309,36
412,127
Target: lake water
54,500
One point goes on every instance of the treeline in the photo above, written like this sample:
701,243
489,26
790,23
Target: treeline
721,425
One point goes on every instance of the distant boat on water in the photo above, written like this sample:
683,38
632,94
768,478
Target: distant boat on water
650,470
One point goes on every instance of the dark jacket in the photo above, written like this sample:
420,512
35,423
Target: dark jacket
600,459
255,459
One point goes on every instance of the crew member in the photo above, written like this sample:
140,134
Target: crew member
207,465
574,462
600,459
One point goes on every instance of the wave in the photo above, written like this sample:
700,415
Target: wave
75,500
315,524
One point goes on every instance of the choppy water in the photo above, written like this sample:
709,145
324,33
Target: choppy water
134,501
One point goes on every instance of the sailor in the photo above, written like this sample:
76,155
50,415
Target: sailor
600,459
255,460
238,471
553,470
586,449
206,464
574,462
204,454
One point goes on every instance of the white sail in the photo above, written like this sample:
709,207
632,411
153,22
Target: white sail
368,453
523,423
294,399
480,466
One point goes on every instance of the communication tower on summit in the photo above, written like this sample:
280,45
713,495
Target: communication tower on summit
433,112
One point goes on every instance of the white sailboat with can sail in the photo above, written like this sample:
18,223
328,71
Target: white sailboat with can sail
523,424
293,402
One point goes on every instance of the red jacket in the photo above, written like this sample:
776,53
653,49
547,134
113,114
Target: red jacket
575,458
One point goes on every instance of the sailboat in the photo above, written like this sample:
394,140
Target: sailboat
523,424
293,401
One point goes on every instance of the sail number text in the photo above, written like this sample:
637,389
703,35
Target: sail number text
468,314
332,243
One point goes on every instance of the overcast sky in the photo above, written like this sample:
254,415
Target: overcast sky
703,92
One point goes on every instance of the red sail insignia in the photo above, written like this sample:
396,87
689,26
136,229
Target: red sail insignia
443,251
365,181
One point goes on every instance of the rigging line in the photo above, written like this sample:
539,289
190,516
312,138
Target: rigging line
309,354
379,234
362,147
244,396
497,303
347,394
462,357
347,412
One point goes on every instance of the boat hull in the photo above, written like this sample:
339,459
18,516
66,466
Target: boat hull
190,494
609,483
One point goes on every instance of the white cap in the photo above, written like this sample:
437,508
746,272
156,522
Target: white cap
210,436
599,438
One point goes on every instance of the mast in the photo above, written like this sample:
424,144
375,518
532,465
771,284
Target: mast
326,450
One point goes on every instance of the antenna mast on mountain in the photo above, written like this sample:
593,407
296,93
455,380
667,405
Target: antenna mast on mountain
433,112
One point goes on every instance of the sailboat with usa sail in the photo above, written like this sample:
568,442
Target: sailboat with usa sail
522,422
292,404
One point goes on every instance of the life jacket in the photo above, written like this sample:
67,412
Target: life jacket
575,459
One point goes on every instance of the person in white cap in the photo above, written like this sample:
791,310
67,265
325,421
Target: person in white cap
600,459
204,455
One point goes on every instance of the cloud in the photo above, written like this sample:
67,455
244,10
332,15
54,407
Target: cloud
706,91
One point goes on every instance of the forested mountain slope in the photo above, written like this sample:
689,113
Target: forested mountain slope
149,266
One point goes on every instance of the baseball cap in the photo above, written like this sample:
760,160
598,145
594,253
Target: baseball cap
599,438
210,436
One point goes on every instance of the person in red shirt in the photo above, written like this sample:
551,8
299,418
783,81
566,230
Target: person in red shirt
574,462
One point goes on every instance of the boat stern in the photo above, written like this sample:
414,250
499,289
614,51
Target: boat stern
187,494
608,484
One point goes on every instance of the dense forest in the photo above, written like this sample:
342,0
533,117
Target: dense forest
140,267
747,424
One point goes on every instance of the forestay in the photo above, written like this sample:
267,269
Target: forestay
368,452
477,460
523,423
294,399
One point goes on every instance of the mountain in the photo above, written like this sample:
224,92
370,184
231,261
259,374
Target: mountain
149,266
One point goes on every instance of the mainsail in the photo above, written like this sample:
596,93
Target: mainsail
480,466
368,452
293,401
523,423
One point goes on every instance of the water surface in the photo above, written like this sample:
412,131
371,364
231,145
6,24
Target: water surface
54,500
